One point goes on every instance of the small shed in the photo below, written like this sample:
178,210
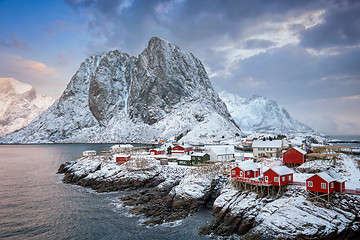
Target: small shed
89,153
157,151
199,158
222,153
247,169
278,176
324,183
164,161
184,160
294,156
120,158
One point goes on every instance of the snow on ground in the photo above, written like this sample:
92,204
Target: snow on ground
351,171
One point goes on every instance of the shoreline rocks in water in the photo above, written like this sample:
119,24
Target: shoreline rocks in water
171,193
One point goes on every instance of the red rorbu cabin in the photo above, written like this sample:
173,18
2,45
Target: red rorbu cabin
294,156
247,169
324,183
180,150
121,158
278,176
157,151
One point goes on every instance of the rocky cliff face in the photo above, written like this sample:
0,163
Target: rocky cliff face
259,114
19,105
113,97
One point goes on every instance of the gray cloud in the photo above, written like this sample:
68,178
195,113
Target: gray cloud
341,26
258,43
14,42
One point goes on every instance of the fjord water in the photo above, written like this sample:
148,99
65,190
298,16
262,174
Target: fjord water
35,204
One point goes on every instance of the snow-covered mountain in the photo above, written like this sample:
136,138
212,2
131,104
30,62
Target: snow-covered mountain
163,93
19,105
259,114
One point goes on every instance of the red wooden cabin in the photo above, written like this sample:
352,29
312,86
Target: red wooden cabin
180,150
294,155
324,183
278,176
157,151
121,158
247,169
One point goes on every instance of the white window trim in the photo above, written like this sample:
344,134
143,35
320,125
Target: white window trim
276,179
310,184
323,185
266,179
233,172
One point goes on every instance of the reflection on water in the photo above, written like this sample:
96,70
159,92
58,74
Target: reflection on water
35,204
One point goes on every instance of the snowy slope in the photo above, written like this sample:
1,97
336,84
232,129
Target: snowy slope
258,114
19,105
113,97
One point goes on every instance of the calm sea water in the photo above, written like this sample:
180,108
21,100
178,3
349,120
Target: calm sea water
35,204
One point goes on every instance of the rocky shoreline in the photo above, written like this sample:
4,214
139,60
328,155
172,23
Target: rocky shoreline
170,193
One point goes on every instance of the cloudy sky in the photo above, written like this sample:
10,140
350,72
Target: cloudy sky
303,54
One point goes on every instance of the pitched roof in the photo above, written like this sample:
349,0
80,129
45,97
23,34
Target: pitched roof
326,177
223,150
248,165
267,143
300,150
198,154
281,170
184,158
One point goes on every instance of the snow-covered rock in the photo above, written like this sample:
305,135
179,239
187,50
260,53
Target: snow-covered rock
164,93
19,105
259,114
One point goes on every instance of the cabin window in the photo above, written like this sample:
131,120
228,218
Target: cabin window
233,172
241,173
283,178
289,177
276,179
323,185
332,185
266,178
310,184
248,172
270,149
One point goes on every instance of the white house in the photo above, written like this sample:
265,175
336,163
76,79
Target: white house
89,153
268,148
221,153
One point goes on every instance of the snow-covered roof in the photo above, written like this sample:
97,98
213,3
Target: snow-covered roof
300,150
267,143
157,149
89,151
281,170
223,150
184,158
121,155
198,154
248,165
326,177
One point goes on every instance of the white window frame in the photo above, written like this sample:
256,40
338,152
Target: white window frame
276,179
310,184
241,173
283,178
233,172
332,185
323,185
266,179
289,177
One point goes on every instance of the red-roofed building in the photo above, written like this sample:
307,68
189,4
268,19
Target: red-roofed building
247,169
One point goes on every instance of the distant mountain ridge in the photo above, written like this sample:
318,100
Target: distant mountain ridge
19,105
259,114
113,97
